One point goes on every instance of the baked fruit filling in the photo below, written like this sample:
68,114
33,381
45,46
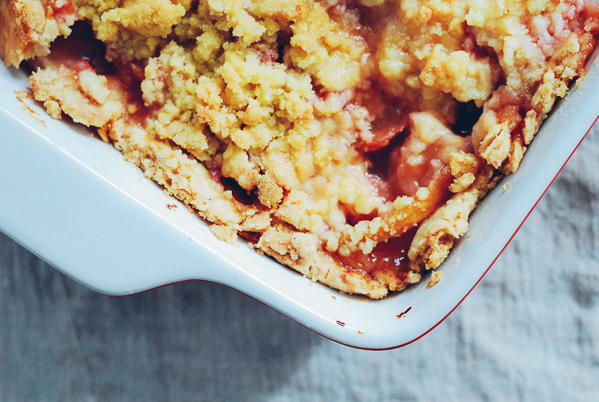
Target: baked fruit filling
348,139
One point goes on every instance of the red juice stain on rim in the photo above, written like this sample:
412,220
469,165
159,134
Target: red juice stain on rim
398,316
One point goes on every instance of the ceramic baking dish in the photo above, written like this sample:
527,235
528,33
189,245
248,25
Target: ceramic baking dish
74,201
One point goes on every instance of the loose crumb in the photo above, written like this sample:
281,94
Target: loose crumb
435,278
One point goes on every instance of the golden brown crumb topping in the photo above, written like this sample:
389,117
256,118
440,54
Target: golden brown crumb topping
348,139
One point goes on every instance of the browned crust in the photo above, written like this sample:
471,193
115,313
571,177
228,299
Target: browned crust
27,28
500,139
436,235
303,252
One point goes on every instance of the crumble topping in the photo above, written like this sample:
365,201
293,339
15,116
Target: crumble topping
347,139
29,27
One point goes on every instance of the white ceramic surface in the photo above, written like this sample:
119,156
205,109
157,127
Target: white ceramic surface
75,202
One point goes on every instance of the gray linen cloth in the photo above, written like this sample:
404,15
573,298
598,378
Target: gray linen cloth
529,331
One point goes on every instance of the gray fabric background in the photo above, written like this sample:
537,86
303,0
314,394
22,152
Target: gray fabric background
530,331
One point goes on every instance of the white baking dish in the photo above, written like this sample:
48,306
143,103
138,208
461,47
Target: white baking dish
74,201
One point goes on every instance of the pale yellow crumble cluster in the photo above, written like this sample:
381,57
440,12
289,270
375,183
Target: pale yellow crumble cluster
283,98
219,92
